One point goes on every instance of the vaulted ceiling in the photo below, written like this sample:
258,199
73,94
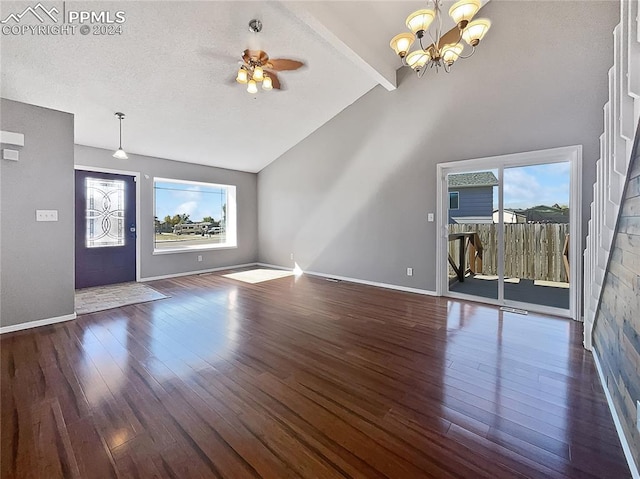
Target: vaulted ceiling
171,72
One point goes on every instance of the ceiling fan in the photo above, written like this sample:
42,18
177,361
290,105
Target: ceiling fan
256,66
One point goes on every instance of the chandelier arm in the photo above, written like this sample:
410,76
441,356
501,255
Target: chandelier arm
439,27
421,45
473,50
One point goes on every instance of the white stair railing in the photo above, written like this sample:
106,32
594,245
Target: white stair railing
621,113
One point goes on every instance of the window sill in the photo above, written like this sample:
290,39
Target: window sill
192,249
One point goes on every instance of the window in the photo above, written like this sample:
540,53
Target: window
454,200
191,215
104,212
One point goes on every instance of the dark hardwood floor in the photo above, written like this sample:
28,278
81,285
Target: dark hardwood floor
303,378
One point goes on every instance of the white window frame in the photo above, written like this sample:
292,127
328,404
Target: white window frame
231,226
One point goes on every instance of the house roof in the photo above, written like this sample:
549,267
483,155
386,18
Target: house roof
467,180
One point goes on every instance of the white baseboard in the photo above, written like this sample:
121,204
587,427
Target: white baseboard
616,419
37,323
396,287
190,273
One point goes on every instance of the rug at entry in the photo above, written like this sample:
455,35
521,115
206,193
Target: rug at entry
99,298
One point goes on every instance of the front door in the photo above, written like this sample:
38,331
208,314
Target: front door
105,229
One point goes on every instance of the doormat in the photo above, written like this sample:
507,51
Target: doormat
258,275
99,298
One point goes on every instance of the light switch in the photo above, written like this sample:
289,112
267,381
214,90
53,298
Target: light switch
46,215
13,155
430,217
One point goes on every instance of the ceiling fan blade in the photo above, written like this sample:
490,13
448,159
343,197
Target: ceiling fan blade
216,55
255,55
284,64
275,81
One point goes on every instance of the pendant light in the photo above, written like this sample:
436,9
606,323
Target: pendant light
120,153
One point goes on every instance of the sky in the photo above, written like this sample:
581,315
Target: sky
197,201
528,186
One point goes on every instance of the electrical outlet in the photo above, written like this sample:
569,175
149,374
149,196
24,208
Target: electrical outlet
46,215
199,257
291,255
409,271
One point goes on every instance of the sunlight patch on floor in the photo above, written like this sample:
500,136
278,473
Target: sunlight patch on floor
258,275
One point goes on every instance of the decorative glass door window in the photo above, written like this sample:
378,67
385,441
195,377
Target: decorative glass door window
105,221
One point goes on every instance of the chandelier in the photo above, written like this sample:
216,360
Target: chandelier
438,49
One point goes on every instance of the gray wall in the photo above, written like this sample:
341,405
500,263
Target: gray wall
168,264
352,199
37,259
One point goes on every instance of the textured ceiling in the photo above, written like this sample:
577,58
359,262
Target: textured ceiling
171,72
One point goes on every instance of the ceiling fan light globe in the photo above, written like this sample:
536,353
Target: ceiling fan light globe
463,11
242,76
267,83
252,87
120,154
258,73
420,20
402,43
475,31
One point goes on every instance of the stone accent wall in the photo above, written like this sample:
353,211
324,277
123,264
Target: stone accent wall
617,327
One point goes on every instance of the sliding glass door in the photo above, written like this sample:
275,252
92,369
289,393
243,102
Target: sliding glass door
536,224
507,227
472,247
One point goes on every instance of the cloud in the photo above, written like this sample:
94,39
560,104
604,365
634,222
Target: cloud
529,186
189,207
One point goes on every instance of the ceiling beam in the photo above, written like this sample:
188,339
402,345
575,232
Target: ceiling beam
320,18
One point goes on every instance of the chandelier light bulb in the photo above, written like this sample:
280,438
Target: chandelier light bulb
418,59
252,87
267,83
419,21
450,53
402,43
463,11
475,31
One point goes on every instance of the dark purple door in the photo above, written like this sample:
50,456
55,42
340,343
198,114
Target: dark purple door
105,229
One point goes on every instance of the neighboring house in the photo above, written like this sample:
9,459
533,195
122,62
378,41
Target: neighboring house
509,216
547,214
471,197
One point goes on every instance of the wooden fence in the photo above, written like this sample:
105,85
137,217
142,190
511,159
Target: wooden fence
532,250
